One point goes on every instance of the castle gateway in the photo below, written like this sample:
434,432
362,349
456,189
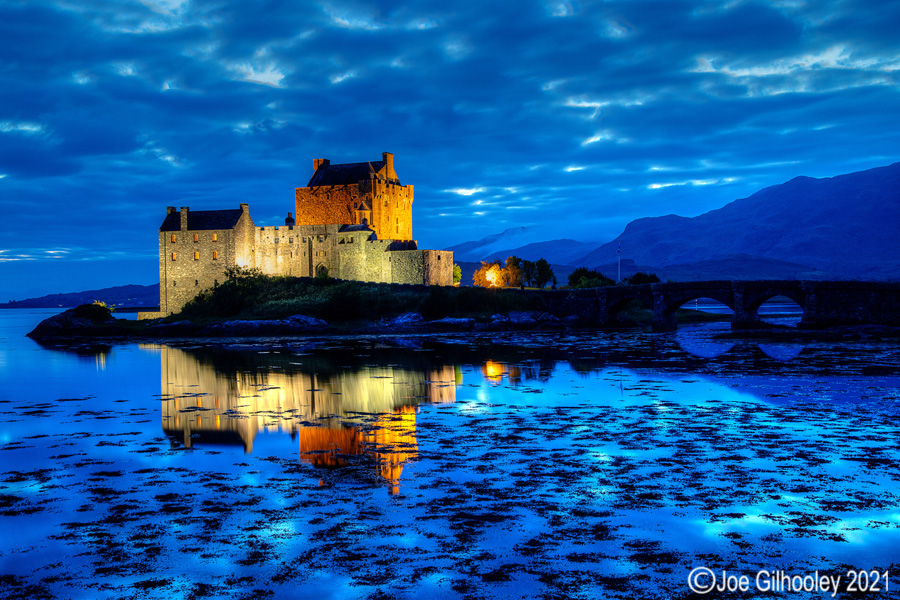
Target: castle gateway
354,221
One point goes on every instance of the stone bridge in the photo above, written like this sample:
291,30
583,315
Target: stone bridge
824,303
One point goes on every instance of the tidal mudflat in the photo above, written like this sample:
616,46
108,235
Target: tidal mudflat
557,465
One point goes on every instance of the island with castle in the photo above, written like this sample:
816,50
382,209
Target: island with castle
354,222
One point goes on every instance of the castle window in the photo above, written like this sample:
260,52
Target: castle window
196,282
196,256
277,240
174,256
215,282
173,238
290,240
215,237
215,255
385,203
174,284
196,237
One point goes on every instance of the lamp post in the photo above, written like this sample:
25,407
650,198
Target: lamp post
619,257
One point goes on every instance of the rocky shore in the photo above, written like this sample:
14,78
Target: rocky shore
73,323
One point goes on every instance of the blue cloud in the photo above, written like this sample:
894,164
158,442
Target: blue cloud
574,116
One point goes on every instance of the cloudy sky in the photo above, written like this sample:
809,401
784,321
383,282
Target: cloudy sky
570,117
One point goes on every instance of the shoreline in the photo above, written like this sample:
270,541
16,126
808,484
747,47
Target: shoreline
71,326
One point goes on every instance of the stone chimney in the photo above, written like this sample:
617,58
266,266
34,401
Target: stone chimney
184,218
170,210
245,207
388,159
289,221
320,162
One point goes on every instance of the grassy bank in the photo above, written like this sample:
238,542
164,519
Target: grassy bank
267,297
259,296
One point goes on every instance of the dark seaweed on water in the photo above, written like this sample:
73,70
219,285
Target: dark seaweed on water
576,465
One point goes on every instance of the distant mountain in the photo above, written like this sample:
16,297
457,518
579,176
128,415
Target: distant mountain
845,226
560,252
479,249
739,266
122,295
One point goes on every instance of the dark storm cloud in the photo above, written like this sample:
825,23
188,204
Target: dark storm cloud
575,116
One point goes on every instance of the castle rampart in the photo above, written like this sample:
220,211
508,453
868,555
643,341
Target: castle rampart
357,193
196,247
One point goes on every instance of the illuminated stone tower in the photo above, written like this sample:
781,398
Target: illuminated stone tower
359,193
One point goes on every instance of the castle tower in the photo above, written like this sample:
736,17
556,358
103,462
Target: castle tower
353,192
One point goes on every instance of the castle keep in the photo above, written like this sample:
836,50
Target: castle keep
366,193
354,221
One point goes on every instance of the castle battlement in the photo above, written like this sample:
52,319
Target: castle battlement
354,221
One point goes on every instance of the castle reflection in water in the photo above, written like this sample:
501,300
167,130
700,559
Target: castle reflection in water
367,411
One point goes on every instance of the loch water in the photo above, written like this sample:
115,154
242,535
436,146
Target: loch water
521,465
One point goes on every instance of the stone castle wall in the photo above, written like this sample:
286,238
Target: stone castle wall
201,258
391,204
429,267
393,217
324,205
191,260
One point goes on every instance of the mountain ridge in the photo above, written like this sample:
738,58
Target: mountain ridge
803,221
131,295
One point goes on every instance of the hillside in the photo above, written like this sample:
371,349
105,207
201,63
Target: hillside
488,247
560,252
845,226
123,295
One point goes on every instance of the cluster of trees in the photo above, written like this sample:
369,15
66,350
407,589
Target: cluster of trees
515,273
582,277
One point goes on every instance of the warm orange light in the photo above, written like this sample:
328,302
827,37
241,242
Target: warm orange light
493,276
493,370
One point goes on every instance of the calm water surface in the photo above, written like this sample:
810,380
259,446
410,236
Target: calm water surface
510,465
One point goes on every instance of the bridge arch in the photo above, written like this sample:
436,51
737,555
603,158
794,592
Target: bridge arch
753,294
618,298
676,301
669,297
786,316
756,300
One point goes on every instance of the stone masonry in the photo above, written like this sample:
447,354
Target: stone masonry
366,193
196,247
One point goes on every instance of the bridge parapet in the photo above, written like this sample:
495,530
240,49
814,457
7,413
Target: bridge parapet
829,303
824,303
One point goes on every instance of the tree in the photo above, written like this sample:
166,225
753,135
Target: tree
237,272
641,277
544,274
582,277
529,272
457,274
490,274
514,271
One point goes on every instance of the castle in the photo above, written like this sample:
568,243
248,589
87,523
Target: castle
354,221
